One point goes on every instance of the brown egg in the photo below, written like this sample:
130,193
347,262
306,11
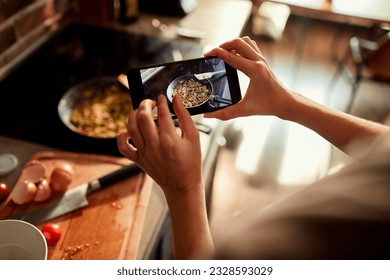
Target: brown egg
43,191
62,176
24,191
34,171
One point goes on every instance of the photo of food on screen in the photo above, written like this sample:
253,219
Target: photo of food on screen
201,85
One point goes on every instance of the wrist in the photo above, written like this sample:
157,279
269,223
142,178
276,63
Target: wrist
287,105
194,192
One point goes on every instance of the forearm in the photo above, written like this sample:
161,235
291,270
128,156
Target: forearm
190,227
266,95
337,127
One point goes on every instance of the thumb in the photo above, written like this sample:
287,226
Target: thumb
223,114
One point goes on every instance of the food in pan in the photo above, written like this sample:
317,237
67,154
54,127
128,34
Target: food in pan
191,92
103,112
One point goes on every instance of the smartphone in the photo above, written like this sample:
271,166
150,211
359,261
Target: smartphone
203,84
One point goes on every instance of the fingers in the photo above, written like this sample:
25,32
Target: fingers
125,148
232,59
164,118
165,123
244,47
240,53
185,121
227,113
133,130
141,127
146,121
251,43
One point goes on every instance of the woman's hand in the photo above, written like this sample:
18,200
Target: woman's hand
266,95
172,160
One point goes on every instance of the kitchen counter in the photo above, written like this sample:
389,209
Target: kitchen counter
210,24
152,219
24,139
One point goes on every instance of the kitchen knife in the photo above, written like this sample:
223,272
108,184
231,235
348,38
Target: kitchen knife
74,198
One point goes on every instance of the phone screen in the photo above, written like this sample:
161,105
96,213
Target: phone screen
203,84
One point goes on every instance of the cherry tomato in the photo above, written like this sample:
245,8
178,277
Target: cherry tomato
52,233
3,190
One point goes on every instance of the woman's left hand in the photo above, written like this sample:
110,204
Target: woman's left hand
172,159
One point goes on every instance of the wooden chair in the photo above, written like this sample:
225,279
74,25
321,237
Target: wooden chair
371,61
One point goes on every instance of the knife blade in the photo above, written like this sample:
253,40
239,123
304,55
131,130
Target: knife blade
74,198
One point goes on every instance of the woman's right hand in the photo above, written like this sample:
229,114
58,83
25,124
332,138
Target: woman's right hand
266,95
173,160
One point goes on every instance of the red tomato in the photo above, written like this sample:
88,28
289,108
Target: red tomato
3,190
52,233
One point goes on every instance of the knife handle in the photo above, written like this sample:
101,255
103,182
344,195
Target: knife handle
117,175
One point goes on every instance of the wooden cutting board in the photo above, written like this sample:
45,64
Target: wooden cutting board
110,226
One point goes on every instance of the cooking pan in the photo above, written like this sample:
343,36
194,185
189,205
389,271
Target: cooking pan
89,93
210,94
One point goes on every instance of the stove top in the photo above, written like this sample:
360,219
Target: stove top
30,93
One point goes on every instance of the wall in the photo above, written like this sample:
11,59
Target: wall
24,22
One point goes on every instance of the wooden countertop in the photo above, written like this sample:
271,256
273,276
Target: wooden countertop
128,231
